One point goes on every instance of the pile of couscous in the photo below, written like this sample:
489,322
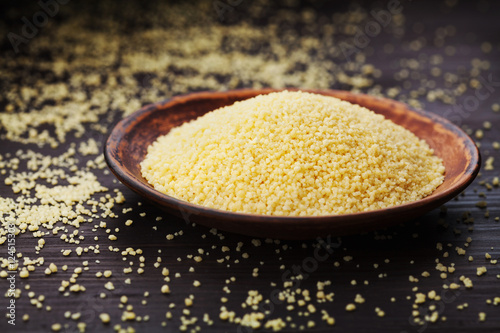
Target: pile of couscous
293,154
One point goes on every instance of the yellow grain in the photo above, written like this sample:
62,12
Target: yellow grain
293,154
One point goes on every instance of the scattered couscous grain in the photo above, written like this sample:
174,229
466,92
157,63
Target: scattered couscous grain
105,318
350,307
56,327
293,154
165,289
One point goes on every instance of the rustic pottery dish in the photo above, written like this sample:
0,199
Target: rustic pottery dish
127,146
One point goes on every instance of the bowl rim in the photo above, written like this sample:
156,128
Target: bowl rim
117,134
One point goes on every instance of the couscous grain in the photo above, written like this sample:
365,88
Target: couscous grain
293,154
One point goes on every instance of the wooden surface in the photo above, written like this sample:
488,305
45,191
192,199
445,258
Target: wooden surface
385,259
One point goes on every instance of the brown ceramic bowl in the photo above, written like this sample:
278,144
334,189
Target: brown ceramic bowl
127,145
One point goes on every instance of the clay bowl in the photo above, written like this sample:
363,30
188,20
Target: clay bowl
127,145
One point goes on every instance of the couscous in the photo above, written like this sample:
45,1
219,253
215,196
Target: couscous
293,154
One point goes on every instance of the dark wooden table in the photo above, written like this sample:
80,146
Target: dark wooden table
90,56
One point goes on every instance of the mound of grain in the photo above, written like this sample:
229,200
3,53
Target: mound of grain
293,154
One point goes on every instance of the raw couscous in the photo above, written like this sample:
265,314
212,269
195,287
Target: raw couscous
293,154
